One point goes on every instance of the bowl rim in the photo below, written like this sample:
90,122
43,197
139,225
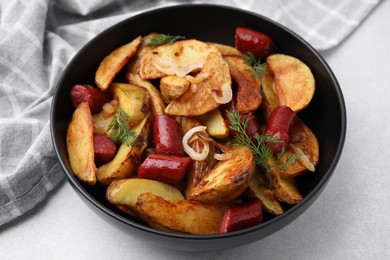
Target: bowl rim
306,201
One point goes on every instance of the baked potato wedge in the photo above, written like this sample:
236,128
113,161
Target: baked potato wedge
227,50
134,100
208,94
285,189
185,216
114,62
248,86
172,87
79,142
270,100
127,158
215,123
258,189
227,180
302,141
179,58
294,83
156,100
126,191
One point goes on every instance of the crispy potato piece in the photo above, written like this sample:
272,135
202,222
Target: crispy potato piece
248,86
134,100
285,189
114,62
179,58
79,142
303,138
216,126
127,158
258,188
270,100
125,192
294,83
227,180
227,50
134,63
198,169
185,216
172,87
156,100
202,97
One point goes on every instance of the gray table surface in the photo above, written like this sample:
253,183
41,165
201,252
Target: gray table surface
350,220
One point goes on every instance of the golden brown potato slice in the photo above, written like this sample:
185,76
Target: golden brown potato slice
227,50
134,63
213,90
114,62
285,189
179,58
227,180
156,100
125,192
248,86
172,87
185,216
270,100
127,158
134,100
79,142
305,140
258,188
293,81
216,126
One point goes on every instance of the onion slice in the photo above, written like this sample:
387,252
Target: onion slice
303,158
227,94
191,152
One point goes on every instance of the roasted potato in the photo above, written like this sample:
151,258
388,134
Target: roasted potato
127,158
79,142
227,180
306,142
207,95
134,100
156,100
125,192
172,87
258,188
114,62
248,85
185,216
294,83
179,58
227,50
270,100
285,189
215,123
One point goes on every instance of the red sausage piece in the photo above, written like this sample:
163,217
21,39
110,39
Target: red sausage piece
95,98
279,125
242,216
258,43
167,135
105,149
164,167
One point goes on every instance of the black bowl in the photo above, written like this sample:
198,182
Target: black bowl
325,115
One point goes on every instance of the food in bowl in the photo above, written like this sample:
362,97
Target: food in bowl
192,136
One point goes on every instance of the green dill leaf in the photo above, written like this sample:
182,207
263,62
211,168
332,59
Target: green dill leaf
119,129
256,66
164,39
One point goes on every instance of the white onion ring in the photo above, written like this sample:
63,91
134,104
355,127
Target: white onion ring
303,158
191,152
227,94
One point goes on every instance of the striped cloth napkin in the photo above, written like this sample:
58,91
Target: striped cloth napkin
38,38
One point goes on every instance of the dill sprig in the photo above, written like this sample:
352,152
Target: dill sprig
261,152
256,66
119,129
164,39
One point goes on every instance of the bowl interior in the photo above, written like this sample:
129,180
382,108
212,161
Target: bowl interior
325,115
